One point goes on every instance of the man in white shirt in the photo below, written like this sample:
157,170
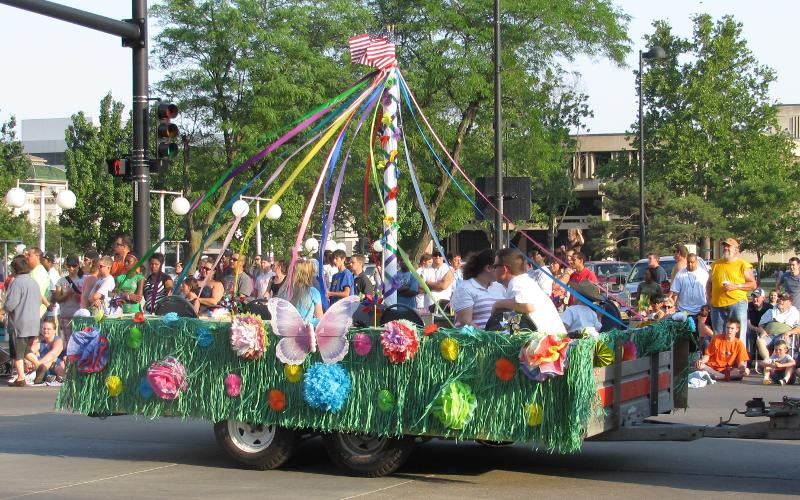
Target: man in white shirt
454,259
579,316
689,286
100,296
777,324
523,294
425,272
441,281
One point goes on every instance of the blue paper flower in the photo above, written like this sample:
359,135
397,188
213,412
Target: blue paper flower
692,326
326,387
468,330
169,318
145,390
204,337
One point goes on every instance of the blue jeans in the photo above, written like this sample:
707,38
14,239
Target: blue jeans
721,315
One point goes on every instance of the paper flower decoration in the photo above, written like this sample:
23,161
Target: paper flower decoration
535,414
233,385
169,318
629,351
386,119
544,357
362,344
293,373
468,330
455,405
114,385
386,400
603,355
98,315
204,337
399,340
449,349
277,400
388,220
88,350
692,325
430,329
504,369
393,156
326,387
145,390
138,317
167,378
248,338
134,338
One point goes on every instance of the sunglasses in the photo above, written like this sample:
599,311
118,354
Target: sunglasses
207,269
667,307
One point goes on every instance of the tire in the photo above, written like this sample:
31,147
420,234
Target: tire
256,446
367,455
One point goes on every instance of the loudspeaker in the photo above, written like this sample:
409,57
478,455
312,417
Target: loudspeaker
516,198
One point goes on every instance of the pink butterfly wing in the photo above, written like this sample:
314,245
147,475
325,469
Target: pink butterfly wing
286,322
332,329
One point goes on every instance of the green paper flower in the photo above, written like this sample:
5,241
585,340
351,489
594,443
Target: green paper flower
135,338
386,400
455,405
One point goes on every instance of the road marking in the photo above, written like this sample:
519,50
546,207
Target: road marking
89,482
379,489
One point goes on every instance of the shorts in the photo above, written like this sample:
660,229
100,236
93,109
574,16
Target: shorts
777,375
22,345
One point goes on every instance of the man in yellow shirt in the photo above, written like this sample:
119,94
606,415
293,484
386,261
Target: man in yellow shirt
731,281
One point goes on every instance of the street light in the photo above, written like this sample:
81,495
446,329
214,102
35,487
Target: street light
179,206
274,213
652,54
65,199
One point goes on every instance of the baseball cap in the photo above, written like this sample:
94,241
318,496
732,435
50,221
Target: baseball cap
730,242
49,256
758,292
784,296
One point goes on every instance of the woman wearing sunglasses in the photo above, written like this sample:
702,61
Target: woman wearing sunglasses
213,289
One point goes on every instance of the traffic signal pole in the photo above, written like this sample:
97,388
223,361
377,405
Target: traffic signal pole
134,35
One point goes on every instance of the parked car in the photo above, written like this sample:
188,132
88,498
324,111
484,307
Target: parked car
636,275
610,274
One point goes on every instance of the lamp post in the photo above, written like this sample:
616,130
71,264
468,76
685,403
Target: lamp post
652,54
274,213
65,199
179,206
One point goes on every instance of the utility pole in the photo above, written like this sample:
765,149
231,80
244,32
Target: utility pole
134,35
498,132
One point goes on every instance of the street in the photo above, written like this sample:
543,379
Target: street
46,454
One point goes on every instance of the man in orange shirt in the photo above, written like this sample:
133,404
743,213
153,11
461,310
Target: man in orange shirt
123,245
725,357
730,283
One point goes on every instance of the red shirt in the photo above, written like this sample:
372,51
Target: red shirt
578,276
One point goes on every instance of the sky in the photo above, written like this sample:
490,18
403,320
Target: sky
53,69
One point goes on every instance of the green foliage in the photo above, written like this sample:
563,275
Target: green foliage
716,158
103,207
14,165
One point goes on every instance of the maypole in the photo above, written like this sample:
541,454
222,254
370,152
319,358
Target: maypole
389,133
378,50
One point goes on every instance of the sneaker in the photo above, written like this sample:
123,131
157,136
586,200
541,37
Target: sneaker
18,383
50,378
783,382
41,371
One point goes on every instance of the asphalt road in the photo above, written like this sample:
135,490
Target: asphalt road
45,454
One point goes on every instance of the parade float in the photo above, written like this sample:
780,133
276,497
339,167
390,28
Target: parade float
370,391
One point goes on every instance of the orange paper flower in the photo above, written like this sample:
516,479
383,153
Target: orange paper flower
430,329
138,317
277,400
504,369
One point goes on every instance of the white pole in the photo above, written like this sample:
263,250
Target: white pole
177,252
390,232
258,227
41,219
161,221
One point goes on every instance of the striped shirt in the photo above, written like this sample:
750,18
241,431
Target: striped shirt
471,294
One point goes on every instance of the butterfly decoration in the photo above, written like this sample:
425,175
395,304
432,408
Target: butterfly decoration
301,339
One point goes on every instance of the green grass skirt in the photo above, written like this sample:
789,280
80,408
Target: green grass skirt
569,403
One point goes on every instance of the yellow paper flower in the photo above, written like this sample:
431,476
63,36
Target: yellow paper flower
294,373
388,220
449,348
392,155
387,119
114,385
535,414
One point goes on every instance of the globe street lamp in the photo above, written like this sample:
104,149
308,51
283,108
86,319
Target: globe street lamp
652,54
65,199
274,213
179,206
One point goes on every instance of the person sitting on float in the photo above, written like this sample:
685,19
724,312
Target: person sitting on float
305,297
579,316
725,357
472,301
189,290
213,290
129,290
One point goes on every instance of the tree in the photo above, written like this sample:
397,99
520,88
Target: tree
103,203
14,165
712,132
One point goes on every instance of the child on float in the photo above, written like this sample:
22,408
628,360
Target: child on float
45,356
779,368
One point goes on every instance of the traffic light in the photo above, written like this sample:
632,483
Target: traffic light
118,167
167,131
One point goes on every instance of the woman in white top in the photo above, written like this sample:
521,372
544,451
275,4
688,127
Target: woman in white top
472,301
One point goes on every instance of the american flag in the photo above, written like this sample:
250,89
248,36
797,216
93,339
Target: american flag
373,49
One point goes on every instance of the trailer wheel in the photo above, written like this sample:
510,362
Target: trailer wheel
257,446
368,455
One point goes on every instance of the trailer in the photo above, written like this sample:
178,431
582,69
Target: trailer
374,404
